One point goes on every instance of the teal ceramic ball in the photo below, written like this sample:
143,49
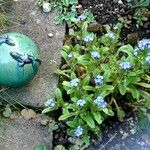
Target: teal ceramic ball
19,59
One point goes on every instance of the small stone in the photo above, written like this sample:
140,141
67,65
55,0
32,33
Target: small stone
125,135
117,147
50,35
46,7
120,2
133,131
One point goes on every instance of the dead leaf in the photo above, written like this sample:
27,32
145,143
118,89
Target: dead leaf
44,122
28,114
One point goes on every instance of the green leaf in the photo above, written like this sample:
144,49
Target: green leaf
47,110
64,54
88,88
145,85
145,94
66,83
135,93
97,117
7,113
122,88
86,80
126,49
73,75
66,116
89,120
86,139
72,124
58,95
120,114
96,71
40,147
146,77
108,112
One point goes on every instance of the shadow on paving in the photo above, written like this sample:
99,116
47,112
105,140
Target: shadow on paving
124,136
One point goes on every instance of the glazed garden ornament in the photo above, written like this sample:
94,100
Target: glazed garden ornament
19,59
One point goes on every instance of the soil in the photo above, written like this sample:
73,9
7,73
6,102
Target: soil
109,11
117,135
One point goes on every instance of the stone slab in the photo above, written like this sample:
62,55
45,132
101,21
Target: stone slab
27,18
21,134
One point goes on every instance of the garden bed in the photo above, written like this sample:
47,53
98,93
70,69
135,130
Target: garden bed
108,12
131,133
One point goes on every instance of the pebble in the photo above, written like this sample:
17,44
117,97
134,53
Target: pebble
46,7
133,131
120,2
50,35
125,135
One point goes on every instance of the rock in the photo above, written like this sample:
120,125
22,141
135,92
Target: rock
46,7
37,25
50,35
21,134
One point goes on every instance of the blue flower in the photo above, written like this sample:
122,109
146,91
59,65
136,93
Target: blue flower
125,65
50,103
95,55
110,35
143,44
100,102
81,18
81,102
135,51
74,82
70,55
148,58
79,131
99,80
88,38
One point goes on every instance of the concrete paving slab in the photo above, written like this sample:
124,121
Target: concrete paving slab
21,134
29,19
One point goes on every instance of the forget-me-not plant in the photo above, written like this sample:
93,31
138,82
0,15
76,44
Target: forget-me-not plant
79,131
110,35
95,55
99,80
143,44
81,102
100,102
50,103
81,18
74,82
125,65
88,38
148,58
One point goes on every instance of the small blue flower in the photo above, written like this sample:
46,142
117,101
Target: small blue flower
100,102
135,51
74,82
50,103
143,44
81,102
125,65
99,80
79,131
148,58
110,35
88,38
95,55
81,18
70,55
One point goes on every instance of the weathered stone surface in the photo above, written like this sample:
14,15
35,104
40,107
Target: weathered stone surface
21,134
29,19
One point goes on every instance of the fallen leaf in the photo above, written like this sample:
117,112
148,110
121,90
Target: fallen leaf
28,114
